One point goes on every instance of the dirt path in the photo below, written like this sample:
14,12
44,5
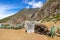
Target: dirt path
10,34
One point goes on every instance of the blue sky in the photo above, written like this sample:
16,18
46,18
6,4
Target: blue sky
10,7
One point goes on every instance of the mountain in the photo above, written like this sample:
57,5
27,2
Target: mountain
50,11
24,14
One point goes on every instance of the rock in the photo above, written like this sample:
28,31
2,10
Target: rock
41,29
29,26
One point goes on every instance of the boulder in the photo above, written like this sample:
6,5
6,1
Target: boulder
41,29
29,26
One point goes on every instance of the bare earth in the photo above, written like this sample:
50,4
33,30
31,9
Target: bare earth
10,34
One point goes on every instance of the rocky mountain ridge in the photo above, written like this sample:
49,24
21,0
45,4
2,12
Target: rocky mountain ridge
50,11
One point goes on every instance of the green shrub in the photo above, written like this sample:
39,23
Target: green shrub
52,31
19,26
5,26
10,27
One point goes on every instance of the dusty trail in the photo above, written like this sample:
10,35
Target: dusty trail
10,34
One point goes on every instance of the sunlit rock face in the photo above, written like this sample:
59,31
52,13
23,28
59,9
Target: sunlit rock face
1,25
29,26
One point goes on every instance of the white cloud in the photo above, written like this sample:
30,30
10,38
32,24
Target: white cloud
35,4
26,1
4,10
27,7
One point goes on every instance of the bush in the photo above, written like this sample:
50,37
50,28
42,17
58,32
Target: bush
19,26
10,27
5,26
52,31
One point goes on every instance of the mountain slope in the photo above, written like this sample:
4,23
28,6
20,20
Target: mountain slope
50,11
24,14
